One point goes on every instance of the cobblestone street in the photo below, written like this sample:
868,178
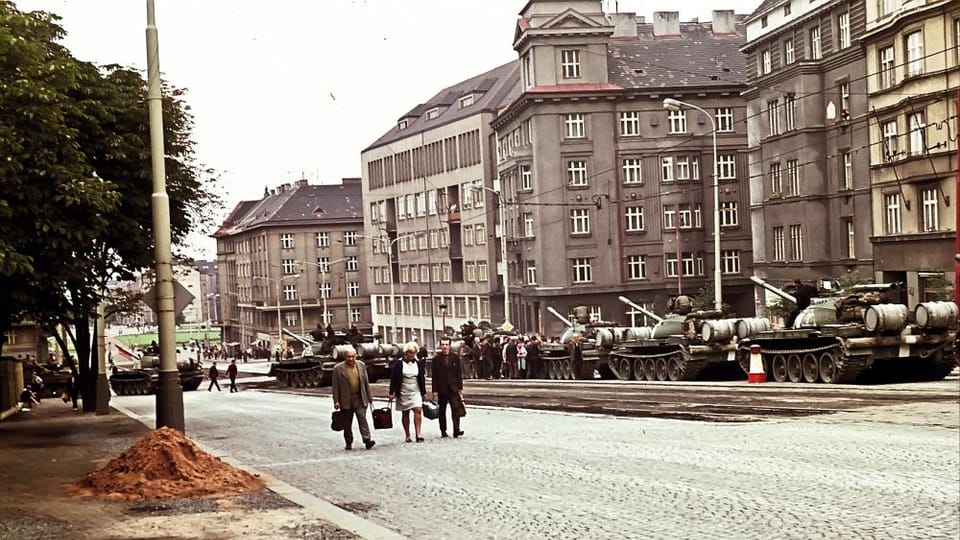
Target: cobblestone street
881,472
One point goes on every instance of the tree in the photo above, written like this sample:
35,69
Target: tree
75,206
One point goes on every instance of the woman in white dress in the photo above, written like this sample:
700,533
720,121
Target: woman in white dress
408,385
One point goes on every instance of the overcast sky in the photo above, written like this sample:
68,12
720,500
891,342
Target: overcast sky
297,88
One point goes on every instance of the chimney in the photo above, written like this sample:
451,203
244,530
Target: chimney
666,23
624,24
724,22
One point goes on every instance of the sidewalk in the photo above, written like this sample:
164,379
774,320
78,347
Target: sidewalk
50,446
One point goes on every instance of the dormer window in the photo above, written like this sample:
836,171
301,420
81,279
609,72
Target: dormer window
402,124
433,113
466,101
570,63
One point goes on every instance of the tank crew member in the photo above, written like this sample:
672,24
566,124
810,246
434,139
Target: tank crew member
803,293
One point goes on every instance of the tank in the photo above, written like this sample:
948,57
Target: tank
322,350
142,378
863,334
684,345
54,379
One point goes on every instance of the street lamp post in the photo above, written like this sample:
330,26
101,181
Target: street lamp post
503,252
676,105
279,319
393,303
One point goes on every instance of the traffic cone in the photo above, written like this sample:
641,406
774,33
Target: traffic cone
757,374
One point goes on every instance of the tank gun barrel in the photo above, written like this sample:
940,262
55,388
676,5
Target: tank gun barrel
640,308
561,317
305,341
774,290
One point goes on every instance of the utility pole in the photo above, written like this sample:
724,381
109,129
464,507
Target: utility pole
103,385
169,407
956,230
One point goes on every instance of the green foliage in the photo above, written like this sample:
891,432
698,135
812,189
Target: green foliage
853,278
704,299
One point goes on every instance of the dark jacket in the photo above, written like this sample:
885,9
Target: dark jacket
232,371
396,377
446,378
213,373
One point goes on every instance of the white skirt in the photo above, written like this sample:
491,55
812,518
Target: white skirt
409,397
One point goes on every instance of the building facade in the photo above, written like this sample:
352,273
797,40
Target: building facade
913,84
608,193
292,261
809,140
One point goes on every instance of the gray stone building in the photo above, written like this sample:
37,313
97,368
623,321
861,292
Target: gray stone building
293,259
809,140
607,193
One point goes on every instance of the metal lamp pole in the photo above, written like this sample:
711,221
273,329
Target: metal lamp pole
676,105
503,252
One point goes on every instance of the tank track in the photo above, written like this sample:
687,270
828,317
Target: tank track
131,384
660,366
847,368
313,376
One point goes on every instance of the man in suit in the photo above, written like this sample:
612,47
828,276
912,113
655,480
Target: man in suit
351,393
447,386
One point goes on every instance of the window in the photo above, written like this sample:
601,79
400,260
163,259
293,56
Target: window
796,243
632,168
843,25
669,216
634,219
421,204
289,292
789,56
763,21
353,289
685,215
582,270
402,125
433,113
847,173
526,178
666,169
574,126
323,264
482,271
790,113
918,144
793,177
480,232
286,241
629,124
466,101
325,290
815,50
683,168
468,235
355,315
845,100
290,317
728,214
471,271
931,210
956,38
786,9
350,238
851,240
776,180
773,116
570,63
636,267
778,244
528,230
724,118
726,166
353,263
577,172
678,121
886,7
886,59
432,202
697,216
531,270
889,135
730,261
424,273
527,79
671,262
913,44
580,221
289,266
766,65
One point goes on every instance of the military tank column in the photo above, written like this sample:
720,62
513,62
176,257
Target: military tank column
323,349
858,335
142,378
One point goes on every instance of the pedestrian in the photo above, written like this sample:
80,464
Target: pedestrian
74,386
213,374
575,350
510,358
447,385
28,399
408,384
533,358
522,358
276,355
232,373
351,394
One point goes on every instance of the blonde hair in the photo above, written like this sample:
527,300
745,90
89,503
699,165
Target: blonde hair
411,347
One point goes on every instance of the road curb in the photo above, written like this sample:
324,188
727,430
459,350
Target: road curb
320,508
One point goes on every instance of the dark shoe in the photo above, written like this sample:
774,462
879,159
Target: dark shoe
443,434
408,439
457,434
369,444
348,446
419,439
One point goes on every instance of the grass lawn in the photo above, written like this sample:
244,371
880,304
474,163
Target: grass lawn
134,340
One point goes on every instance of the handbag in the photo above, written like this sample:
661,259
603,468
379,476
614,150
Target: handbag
457,407
339,420
431,410
382,418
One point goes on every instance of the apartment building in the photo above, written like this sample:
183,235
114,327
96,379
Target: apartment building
913,82
434,250
608,193
809,140
292,260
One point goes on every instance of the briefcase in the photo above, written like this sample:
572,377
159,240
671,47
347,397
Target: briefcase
339,419
382,418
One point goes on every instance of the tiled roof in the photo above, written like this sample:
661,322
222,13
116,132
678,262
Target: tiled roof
585,87
696,58
491,90
764,7
298,204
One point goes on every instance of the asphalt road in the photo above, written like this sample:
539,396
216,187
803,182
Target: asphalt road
884,464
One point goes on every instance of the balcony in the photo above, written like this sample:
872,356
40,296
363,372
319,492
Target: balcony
456,251
453,216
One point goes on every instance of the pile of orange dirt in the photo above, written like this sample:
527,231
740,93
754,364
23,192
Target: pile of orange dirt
165,465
